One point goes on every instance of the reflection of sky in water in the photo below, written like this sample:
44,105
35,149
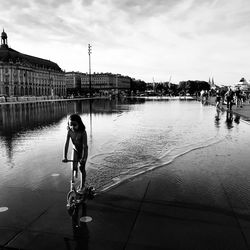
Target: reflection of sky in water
125,139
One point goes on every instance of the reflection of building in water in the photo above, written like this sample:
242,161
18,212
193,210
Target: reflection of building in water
102,106
24,116
24,75
17,117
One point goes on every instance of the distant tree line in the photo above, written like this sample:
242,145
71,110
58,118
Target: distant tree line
137,86
183,88
193,87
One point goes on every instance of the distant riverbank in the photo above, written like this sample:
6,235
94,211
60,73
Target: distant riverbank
43,99
20,100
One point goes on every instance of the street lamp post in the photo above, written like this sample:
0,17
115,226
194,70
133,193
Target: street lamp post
89,52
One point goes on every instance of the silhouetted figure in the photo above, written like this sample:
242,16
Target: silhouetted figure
204,96
229,98
239,97
217,99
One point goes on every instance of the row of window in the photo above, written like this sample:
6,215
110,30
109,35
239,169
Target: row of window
22,91
25,73
32,78
35,81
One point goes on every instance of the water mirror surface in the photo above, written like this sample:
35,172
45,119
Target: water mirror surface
126,138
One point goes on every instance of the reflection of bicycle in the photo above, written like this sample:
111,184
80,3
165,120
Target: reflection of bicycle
80,239
74,198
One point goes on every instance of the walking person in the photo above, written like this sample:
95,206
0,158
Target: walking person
229,98
239,97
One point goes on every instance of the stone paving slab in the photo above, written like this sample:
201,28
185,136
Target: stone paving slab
20,200
174,233
7,234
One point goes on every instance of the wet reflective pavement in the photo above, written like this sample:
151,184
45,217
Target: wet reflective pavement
200,200
199,207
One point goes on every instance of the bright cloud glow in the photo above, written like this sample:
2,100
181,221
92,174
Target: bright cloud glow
145,39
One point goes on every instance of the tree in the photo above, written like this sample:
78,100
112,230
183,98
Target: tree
192,87
137,85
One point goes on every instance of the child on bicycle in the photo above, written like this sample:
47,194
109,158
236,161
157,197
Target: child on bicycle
78,136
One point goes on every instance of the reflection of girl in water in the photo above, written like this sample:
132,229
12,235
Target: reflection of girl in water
78,136
218,99
217,118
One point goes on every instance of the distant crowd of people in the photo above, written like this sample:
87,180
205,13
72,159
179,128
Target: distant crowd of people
229,97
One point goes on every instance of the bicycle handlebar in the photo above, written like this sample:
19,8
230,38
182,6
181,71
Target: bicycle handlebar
69,161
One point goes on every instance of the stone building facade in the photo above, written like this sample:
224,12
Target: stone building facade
73,82
106,82
25,75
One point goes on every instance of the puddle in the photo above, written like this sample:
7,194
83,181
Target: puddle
85,219
3,209
55,175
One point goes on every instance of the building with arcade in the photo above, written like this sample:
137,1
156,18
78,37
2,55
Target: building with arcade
25,75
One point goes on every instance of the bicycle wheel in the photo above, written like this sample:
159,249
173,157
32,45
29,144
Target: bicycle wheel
90,193
71,203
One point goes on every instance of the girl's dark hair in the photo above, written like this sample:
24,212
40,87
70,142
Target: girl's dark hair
77,118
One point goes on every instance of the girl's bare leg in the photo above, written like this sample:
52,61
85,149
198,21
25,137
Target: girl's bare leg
74,166
83,176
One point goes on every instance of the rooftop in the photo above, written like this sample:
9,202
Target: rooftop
9,55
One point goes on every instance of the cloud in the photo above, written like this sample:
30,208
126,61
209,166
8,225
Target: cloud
87,2
222,16
52,3
9,5
144,8
186,38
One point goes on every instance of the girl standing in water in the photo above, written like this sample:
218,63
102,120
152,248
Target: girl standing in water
78,136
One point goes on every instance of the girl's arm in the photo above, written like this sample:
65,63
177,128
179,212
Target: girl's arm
66,147
85,149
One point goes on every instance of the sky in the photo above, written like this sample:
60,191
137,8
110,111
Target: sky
151,40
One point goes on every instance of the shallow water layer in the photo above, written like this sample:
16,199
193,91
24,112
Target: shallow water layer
126,138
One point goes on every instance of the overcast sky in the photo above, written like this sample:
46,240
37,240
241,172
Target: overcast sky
144,39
